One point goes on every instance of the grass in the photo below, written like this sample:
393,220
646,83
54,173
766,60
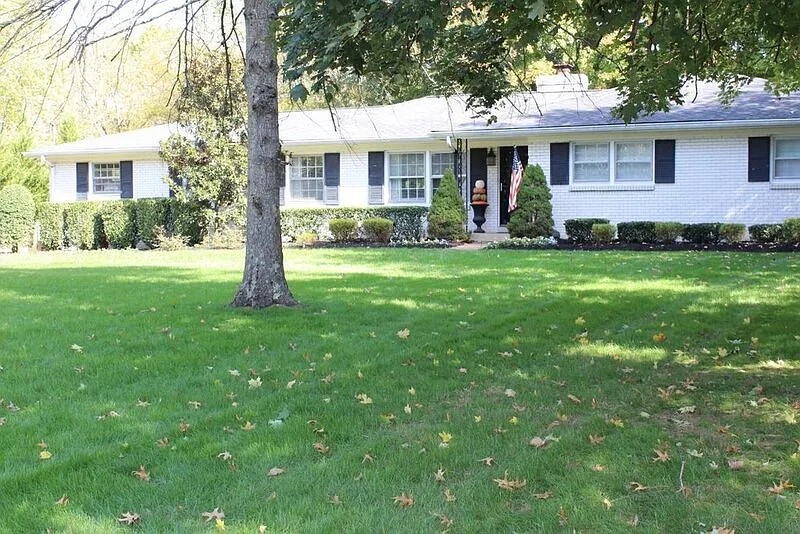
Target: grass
694,355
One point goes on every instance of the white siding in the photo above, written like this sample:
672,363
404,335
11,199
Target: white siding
63,182
149,179
353,179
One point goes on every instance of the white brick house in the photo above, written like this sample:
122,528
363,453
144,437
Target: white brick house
700,162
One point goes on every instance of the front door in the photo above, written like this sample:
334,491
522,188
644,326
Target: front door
506,159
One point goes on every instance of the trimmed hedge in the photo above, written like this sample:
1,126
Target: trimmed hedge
580,230
378,229
701,233
343,230
189,219
766,233
603,233
79,227
732,232
636,232
791,231
150,213
115,225
17,212
51,225
667,232
409,221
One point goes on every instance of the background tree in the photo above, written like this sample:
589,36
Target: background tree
16,216
534,214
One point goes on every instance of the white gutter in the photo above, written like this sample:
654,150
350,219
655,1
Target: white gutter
44,153
535,131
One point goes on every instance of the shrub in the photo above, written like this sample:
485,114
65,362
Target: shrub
447,217
766,233
732,233
308,238
79,224
534,214
378,229
114,225
17,212
637,232
603,233
523,243
150,213
580,230
343,229
701,232
51,225
167,241
791,231
409,221
189,219
225,237
667,232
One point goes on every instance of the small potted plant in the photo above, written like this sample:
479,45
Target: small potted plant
479,204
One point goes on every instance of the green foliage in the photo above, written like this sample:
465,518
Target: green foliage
603,233
18,169
667,232
791,231
115,225
701,232
766,233
534,214
637,232
523,243
168,241
343,230
68,130
408,220
51,225
447,217
732,233
225,237
17,211
307,238
79,224
150,213
580,230
378,229
189,219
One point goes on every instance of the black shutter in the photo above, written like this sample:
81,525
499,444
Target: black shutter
665,161
332,169
559,163
376,171
82,178
126,179
758,159
477,166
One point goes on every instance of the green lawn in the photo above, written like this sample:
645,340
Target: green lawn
632,374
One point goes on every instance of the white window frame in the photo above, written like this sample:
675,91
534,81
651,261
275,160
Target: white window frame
96,167
424,178
612,163
774,161
293,178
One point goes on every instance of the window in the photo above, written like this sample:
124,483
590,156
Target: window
439,163
787,159
106,178
306,180
591,162
633,162
407,177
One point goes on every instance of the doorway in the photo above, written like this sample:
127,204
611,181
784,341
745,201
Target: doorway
506,160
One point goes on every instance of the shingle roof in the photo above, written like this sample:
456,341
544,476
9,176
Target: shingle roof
431,117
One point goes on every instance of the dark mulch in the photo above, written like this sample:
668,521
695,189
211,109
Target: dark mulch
747,246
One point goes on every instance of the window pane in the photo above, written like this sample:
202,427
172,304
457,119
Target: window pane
407,177
591,172
638,151
306,178
633,161
591,162
106,178
787,148
787,168
591,152
441,162
634,172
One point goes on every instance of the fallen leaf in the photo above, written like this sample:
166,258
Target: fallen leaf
42,444
142,404
368,459
63,501
687,409
225,456
322,448
254,383
290,384
510,484
403,334
661,456
634,522
563,519
444,521
195,404
76,348
141,474
405,501
722,530
735,464
659,337
617,422
596,439
407,409
129,518
335,500
510,393
580,321
445,437
538,442
363,398
543,496
276,471
598,467
488,461
219,524
184,427
213,515
45,455
608,504
438,476
635,486
248,426
163,442
448,495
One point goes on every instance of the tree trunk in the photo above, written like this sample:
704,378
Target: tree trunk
264,281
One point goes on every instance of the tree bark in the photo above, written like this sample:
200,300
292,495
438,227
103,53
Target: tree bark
264,281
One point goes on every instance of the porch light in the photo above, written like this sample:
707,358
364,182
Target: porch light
491,158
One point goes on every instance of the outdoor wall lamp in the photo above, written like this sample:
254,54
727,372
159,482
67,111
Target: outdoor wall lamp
491,158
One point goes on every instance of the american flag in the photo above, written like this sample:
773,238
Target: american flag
516,182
